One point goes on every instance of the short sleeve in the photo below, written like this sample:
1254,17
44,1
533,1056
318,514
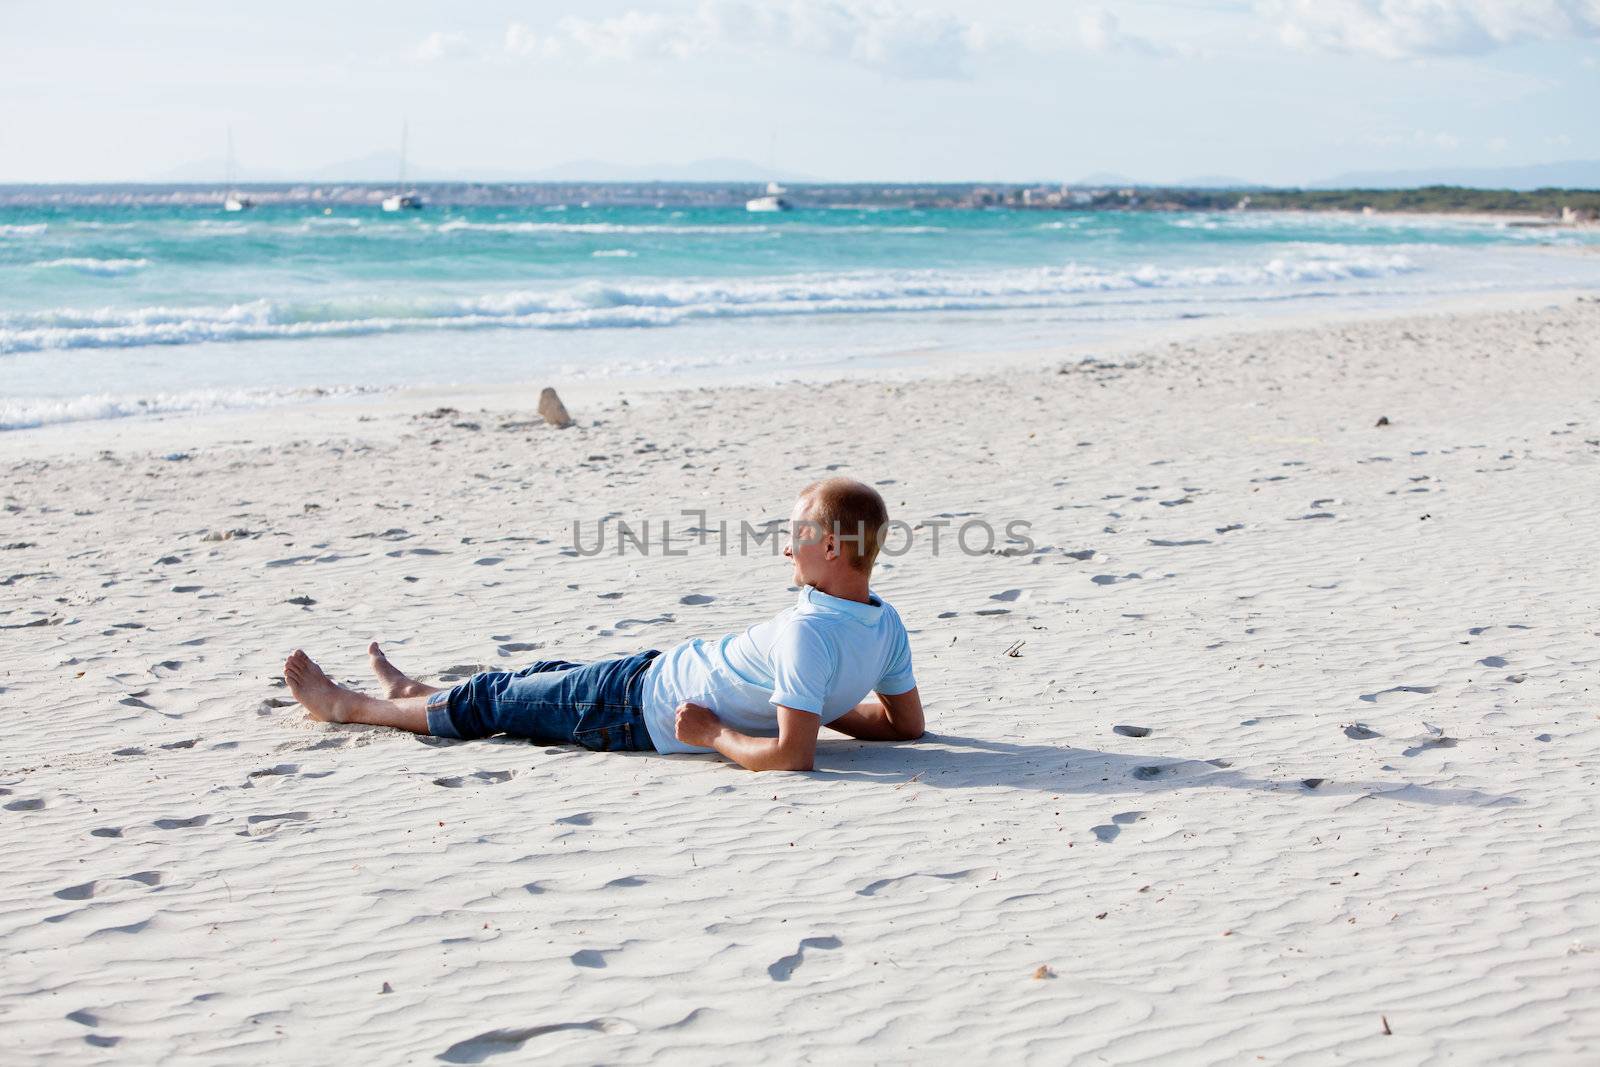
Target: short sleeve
804,664
897,677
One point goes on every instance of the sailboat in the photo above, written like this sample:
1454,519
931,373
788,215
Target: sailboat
773,201
233,201
402,200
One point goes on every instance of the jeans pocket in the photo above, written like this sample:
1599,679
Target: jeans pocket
608,729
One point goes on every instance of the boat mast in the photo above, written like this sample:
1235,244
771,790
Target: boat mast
400,188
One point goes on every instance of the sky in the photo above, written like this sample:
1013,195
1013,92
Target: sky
1276,91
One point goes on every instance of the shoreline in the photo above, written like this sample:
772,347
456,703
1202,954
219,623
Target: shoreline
355,414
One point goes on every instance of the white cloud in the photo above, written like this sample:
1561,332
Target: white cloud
441,45
521,41
882,35
906,42
1408,29
634,35
1498,144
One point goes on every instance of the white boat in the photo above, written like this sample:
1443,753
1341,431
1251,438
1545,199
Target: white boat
773,201
402,200
233,201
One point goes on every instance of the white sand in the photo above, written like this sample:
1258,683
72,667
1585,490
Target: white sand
194,871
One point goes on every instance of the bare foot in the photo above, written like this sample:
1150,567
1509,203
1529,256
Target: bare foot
316,691
396,683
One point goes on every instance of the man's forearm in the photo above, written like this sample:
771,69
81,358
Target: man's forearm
758,753
870,720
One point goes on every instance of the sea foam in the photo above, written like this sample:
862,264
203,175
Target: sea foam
26,413
88,265
657,302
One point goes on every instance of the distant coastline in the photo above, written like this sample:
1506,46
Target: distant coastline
1536,207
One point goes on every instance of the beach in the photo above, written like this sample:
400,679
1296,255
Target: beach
1258,731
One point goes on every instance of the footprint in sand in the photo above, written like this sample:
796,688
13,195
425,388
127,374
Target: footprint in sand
475,778
263,825
1113,579
695,600
1493,661
1008,596
90,890
1372,698
1434,738
1132,731
782,969
583,818
462,671
1107,832
591,957
628,624
182,824
493,1042
1359,731
874,888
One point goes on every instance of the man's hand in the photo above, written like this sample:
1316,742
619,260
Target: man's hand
697,725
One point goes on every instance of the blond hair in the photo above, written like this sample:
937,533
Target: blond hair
854,513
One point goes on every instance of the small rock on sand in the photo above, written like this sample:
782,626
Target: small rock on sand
552,410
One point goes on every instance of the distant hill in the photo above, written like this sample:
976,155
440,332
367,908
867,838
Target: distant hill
1573,174
213,171
1103,178
1216,181
700,170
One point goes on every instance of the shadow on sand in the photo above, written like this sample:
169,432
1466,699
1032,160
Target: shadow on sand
945,761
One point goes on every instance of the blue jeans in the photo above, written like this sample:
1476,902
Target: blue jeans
554,702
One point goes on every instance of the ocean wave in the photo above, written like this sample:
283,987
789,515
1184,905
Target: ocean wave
658,302
29,229
613,253
462,225
98,267
25,414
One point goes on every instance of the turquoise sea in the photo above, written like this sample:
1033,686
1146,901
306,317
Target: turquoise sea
111,311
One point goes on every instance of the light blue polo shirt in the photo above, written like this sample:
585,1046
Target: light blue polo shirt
823,656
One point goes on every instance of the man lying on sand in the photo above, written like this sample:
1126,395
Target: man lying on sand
758,697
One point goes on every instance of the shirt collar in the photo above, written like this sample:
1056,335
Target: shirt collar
814,599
